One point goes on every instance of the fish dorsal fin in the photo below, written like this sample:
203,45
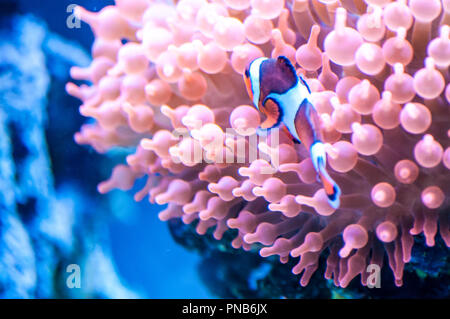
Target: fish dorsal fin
287,68
304,83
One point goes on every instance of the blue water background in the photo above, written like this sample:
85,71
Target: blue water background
146,257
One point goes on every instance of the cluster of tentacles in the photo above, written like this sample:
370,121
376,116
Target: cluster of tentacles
166,81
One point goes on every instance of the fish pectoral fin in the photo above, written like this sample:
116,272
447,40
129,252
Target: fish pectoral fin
272,111
268,123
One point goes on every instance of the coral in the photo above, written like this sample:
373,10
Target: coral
43,216
166,82
228,272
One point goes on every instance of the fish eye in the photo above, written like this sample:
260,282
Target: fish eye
247,73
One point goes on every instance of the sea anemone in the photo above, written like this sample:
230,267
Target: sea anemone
166,82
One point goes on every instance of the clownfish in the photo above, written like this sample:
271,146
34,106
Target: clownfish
285,98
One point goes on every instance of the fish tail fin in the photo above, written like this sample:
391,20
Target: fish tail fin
332,190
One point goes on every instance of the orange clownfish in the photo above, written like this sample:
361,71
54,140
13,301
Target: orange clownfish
284,98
